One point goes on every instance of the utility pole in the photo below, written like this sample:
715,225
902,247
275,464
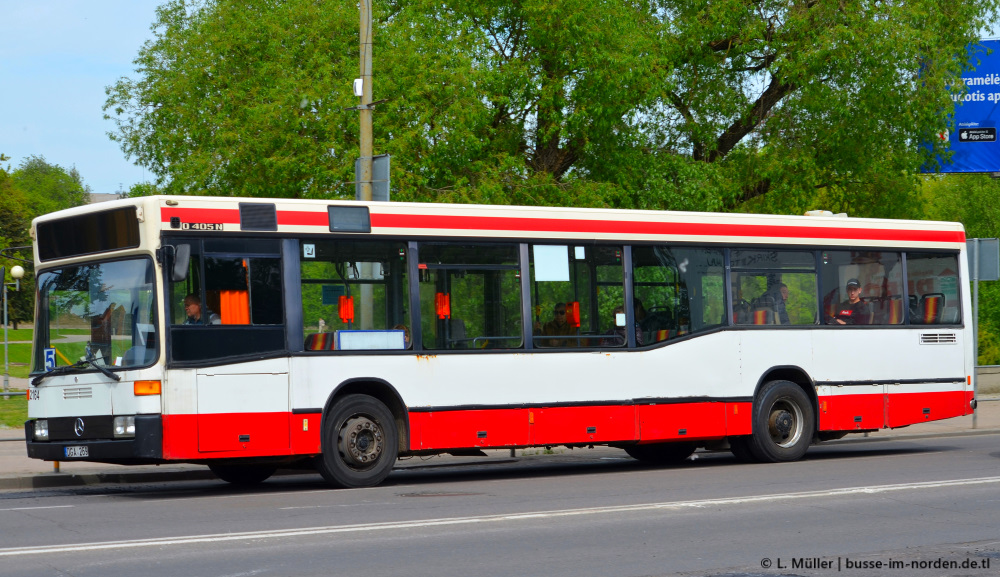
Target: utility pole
365,108
367,149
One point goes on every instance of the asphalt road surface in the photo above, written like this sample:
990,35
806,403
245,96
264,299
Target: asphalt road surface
891,507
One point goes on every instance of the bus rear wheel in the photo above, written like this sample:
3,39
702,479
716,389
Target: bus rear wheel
660,453
360,443
783,423
243,474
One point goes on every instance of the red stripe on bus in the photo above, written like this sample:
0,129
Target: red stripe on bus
492,428
213,436
442,222
579,226
206,215
876,411
302,218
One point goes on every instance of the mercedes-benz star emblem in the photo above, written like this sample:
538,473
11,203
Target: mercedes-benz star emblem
78,427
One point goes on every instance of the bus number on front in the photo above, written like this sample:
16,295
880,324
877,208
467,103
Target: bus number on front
201,226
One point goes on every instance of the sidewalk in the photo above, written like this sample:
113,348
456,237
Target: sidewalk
17,471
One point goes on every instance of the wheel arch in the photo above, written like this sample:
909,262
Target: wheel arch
793,374
380,390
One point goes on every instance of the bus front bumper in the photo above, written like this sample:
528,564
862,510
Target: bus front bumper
146,447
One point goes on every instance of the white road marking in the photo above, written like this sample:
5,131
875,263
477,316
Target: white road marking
512,517
36,508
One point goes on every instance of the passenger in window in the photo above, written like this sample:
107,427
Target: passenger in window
853,311
192,308
640,311
406,335
618,336
780,302
557,327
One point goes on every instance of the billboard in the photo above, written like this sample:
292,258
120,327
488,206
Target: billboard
973,140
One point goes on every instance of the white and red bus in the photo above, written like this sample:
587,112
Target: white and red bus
250,334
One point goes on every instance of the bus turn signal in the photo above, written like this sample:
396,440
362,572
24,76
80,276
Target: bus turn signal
147,388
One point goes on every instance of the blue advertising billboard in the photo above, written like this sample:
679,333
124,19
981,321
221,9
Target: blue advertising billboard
973,140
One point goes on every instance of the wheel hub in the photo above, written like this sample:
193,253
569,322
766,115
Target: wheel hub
783,424
361,441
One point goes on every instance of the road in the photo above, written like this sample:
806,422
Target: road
916,501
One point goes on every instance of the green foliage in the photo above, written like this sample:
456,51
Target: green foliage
49,187
34,188
15,223
635,104
972,200
242,98
142,189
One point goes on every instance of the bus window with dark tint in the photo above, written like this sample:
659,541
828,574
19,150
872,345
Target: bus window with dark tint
228,304
88,234
773,287
677,291
354,295
933,288
861,287
587,282
470,296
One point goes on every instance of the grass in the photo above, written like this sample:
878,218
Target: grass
19,334
19,359
13,411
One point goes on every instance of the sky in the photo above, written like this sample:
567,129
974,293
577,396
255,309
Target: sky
56,58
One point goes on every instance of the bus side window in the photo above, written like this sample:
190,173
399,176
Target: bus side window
585,279
470,296
230,302
933,288
679,290
354,295
879,276
774,287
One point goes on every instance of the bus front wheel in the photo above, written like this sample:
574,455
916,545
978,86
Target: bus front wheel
360,443
783,423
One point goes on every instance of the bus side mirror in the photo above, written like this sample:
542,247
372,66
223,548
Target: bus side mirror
182,257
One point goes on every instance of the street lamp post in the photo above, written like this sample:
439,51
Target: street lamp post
16,272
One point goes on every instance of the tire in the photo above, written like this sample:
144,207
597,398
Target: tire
243,474
360,443
783,423
660,453
740,446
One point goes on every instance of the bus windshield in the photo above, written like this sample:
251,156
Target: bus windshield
101,312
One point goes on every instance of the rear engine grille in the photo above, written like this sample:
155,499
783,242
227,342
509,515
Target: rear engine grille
938,338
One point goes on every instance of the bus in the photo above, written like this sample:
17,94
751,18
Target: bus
255,334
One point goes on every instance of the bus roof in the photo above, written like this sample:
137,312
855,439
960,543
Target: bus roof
398,219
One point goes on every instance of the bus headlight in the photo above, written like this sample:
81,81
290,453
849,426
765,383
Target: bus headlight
124,427
41,429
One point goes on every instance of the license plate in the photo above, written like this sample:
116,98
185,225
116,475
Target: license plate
77,451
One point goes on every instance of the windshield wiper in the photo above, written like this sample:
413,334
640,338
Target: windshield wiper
90,360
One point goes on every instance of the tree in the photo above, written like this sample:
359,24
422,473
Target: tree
971,200
237,98
15,223
719,105
49,187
